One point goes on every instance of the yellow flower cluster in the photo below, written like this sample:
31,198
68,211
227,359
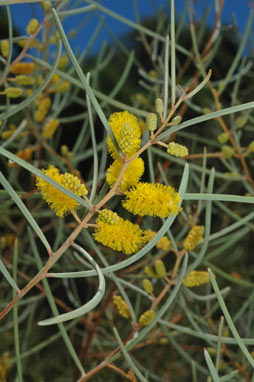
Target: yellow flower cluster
43,105
163,243
50,128
22,68
62,87
195,278
152,199
63,61
31,43
194,237
24,80
177,150
131,175
147,317
8,133
60,203
124,124
123,236
11,92
5,46
121,306
159,270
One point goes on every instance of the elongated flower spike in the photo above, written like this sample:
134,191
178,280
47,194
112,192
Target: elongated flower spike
147,317
127,133
195,278
121,306
60,203
152,200
194,237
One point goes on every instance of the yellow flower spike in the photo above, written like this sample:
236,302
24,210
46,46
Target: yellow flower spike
227,151
11,92
123,236
147,317
108,217
149,234
55,78
24,80
32,44
63,87
23,68
195,278
43,106
177,150
73,184
126,138
63,61
117,121
44,103
160,268
152,200
50,128
121,306
131,175
32,26
163,243
147,286
60,203
5,46
194,237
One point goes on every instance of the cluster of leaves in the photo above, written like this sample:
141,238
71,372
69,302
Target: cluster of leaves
195,138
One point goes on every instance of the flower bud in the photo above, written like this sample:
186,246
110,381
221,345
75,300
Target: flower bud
177,150
108,217
223,138
160,268
176,120
159,105
32,26
148,286
227,151
152,121
5,46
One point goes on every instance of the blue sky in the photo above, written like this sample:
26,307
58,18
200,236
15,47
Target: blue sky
22,13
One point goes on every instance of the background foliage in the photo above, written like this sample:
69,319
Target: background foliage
215,182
